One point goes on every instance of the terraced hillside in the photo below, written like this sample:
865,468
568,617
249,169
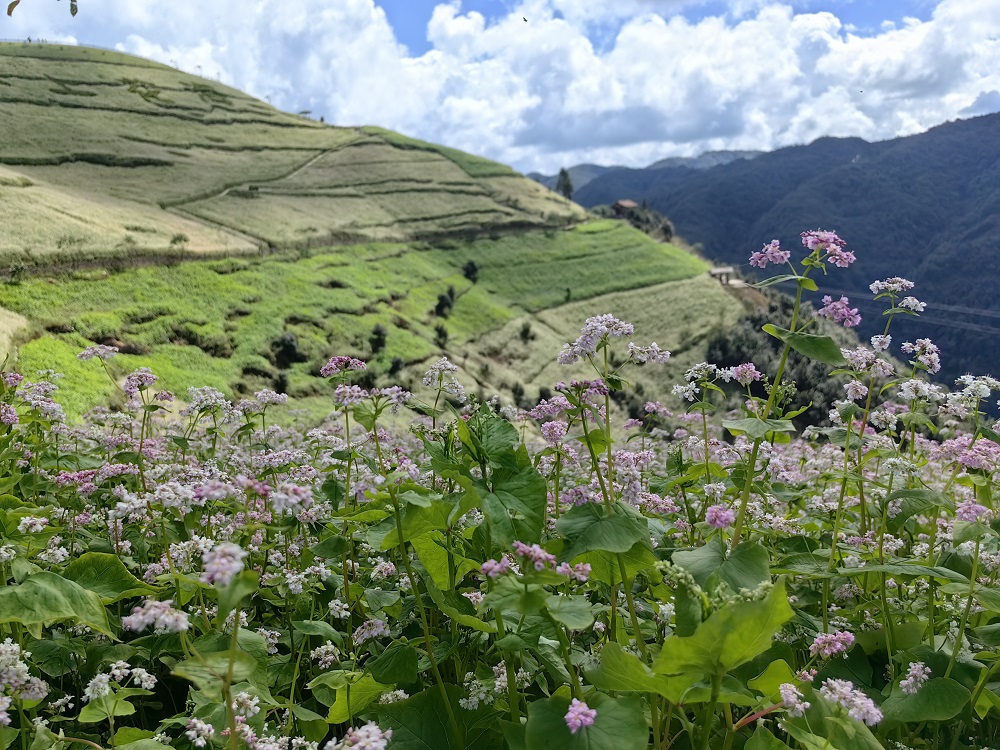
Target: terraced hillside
103,151
341,240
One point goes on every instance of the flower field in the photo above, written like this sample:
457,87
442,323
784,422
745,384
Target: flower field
558,577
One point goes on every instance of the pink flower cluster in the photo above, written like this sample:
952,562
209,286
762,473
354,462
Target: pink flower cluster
493,569
367,737
831,644
535,555
858,705
916,676
339,364
839,311
100,351
222,563
770,253
580,715
719,516
161,615
830,246
594,331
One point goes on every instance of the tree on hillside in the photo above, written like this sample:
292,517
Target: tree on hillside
564,185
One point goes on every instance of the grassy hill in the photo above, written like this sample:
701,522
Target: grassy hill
924,207
339,240
103,150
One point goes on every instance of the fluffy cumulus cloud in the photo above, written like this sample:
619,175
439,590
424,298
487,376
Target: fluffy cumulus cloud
613,82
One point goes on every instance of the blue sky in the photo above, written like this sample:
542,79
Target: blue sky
605,81
409,18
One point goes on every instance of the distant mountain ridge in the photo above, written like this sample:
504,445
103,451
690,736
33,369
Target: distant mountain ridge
926,207
584,174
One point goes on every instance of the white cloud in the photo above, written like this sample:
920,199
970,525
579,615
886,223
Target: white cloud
615,82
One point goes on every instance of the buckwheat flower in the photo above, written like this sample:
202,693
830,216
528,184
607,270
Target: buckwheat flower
688,391
393,696
719,516
912,304
143,679
326,655
744,374
98,687
858,705
5,701
791,699
339,364
161,615
199,732
925,353
839,311
32,524
370,630
475,597
892,285
652,353
595,330
348,395
856,390
580,715
770,253
119,671
8,414
971,511
494,569
830,246
367,737
245,704
880,343
98,350
267,397
831,644
339,610
916,676
222,563
138,381
535,554
554,431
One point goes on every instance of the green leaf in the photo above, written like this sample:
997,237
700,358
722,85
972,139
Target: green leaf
619,725
745,568
767,682
362,694
417,520
915,502
46,597
458,608
516,506
331,548
209,671
99,710
762,739
508,593
421,723
319,628
590,527
398,663
575,612
106,576
604,566
757,429
433,556
620,671
821,348
242,585
731,636
941,699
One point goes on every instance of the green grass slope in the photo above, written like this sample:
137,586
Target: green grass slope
247,323
103,151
